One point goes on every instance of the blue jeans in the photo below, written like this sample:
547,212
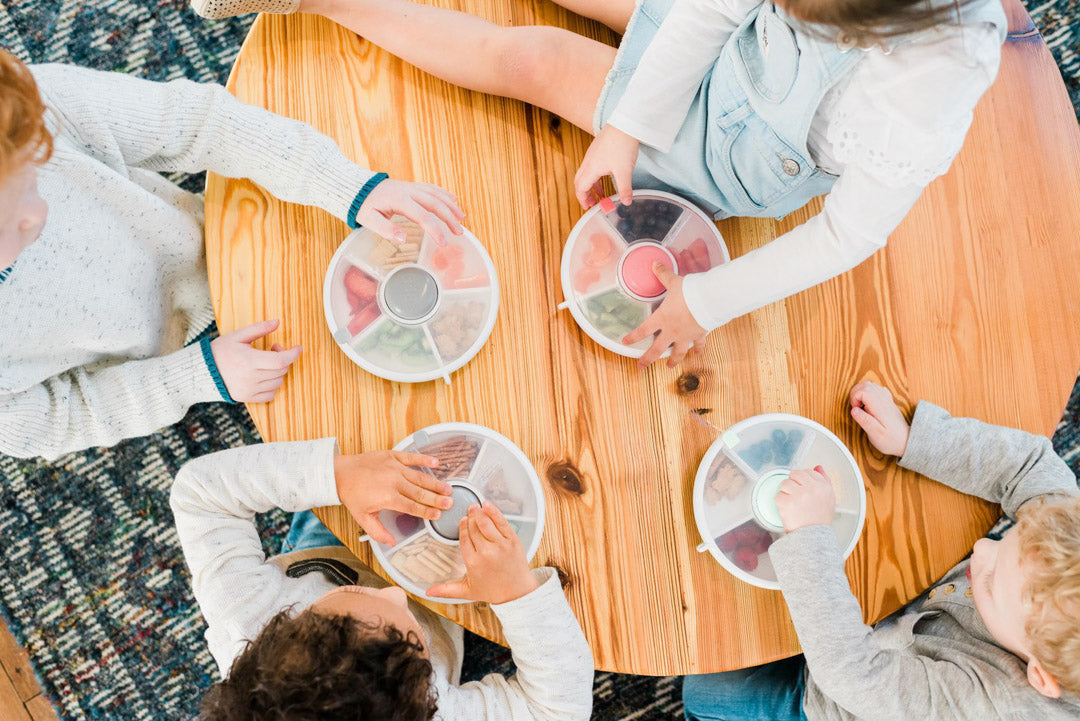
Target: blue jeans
773,692
307,531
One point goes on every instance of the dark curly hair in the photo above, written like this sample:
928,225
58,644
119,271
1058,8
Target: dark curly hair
316,667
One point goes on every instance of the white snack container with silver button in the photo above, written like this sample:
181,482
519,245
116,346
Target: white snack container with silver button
739,476
479,464
607,277
411,311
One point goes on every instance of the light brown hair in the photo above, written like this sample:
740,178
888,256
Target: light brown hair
865,22
1050,555
23,135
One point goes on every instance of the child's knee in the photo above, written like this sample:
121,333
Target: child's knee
526,59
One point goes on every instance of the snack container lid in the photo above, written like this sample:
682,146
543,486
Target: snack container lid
412,311
479,464
607,278
737,480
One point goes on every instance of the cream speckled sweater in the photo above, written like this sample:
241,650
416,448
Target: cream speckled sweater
95,314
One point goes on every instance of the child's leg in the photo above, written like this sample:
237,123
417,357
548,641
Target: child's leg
550,67
307,531
773,692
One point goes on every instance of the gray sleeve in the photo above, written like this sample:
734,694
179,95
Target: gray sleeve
1003,465
848,665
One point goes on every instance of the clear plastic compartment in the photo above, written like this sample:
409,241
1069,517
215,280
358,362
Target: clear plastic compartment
766,446
614,314
644,219
499,476
747,547
398,348
595,256
694,245
353,299
456,264
459,323
457,453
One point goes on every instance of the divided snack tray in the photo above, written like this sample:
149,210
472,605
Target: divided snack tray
607,277
411,311
737,481
479,464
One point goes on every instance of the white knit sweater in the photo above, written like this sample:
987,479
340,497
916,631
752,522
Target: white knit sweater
214,501
95,314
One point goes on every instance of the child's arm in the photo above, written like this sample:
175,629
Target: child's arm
847,665
189,127
83,408
658,96
554,665
671,69
1003,465
214,501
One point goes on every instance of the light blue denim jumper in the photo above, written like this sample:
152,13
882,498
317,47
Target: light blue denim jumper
742,148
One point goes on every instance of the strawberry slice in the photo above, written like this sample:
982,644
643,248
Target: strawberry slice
363,318
360,284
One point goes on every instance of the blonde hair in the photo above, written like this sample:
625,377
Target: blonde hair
23,135
1050,553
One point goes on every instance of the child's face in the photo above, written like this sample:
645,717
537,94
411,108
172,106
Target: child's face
373,606
22,213
997,582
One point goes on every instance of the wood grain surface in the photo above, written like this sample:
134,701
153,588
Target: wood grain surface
971,305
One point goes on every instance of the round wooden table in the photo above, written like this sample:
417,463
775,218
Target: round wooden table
972,305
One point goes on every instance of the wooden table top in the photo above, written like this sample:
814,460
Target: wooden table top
971,305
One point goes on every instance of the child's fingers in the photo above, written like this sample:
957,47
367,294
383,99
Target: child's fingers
584,184
374,528
270,384
624,184
415,459
427,220
268,360
453,589
484,525
661,344
498,519
441,210
377,220
678,352
427,481
646,329
251,333
262,397
449,198
466,543
426,498
872,426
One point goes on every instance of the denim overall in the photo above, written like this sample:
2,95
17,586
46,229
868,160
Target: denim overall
742,147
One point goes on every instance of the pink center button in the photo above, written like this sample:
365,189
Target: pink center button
636,272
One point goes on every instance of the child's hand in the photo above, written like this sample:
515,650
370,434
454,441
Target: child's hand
429,206
806,499
252,375
496,570
873,409
613,153
371,482
676,325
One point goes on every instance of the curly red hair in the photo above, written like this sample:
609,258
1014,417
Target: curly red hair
23,135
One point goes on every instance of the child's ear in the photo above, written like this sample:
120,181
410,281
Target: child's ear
1041,680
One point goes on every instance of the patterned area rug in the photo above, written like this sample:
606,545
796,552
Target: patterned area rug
92,582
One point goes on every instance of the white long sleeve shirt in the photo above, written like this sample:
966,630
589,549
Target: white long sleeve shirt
94,315
214,501
887,129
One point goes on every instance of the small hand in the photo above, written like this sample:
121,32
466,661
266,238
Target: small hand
613,153
672,323
806,498
252,375
389,480
496,570
429,206
873,408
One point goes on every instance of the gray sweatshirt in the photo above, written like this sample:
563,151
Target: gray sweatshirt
934,658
